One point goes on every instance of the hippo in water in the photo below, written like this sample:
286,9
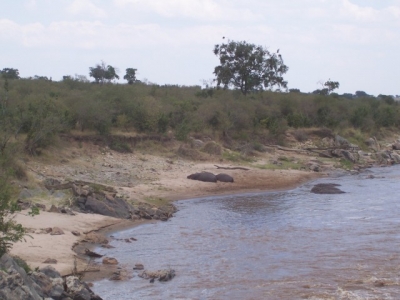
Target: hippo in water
224,177
203,176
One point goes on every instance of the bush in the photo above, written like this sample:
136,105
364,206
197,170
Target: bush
10,231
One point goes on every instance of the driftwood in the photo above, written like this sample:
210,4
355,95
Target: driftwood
232,168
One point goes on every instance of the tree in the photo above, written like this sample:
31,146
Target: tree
130,75
10,73
331,85
328,87
102,73
248,67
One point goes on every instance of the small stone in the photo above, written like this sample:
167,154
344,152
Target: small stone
50,261
138,267
54,209
56,231
110,261
76,233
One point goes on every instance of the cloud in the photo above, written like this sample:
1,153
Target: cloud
359,13
86,7
211,10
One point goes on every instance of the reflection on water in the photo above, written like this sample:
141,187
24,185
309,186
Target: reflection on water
285,245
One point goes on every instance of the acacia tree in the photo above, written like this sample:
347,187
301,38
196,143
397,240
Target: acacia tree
102,73
130,75
328,87
248,67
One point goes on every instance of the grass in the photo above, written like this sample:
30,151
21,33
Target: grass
284,165
158,201
236,157
345,164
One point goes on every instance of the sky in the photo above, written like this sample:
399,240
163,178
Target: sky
354,42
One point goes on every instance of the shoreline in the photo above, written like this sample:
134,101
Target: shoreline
105,271
68,249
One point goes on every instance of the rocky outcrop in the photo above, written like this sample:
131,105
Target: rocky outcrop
46,283
161,275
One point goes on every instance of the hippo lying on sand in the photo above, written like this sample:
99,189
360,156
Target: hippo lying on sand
224,177
203,176
210,177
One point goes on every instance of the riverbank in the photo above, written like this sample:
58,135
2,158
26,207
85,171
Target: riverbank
148,177
67,249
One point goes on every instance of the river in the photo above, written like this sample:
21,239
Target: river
272,245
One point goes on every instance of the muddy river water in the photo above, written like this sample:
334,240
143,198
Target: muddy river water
272,245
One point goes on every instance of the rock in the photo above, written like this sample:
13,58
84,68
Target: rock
67,211
56,231
107,246
341,142
14,282
224,177
92,254
138,267
314,167
50,261
373,144
162,275
47,230
77,289
96,238
117,208
40,206
349,156
23,204
110,261
25,194
196,143
396,146
76,233
326,188
54,209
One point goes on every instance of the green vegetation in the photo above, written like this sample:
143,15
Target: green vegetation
34,112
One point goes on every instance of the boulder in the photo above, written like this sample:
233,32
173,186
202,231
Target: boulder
117,208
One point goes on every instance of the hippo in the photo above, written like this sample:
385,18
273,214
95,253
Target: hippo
224,177
203,176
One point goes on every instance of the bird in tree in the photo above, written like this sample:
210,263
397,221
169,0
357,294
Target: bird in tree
248,67
102,73
130,75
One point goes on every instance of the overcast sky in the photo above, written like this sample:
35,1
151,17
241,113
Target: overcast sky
355,42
